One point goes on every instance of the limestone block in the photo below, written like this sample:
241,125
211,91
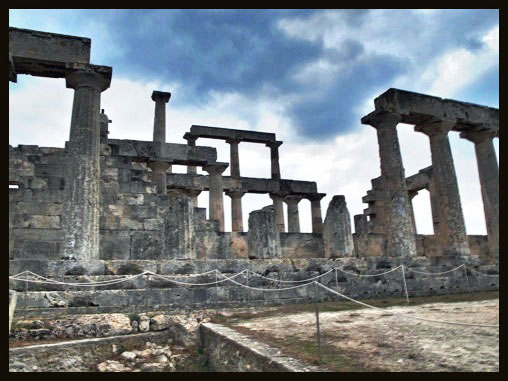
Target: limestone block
153,224
146,245
337,237
40,208
36,221
179,227
128,224
263,235
115,244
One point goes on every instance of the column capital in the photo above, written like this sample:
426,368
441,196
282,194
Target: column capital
292,199
233,141
435,127
215,168
412,194
159,165
315,196
160,96
87,75
478,136
235,193
382,119
274,144
191,139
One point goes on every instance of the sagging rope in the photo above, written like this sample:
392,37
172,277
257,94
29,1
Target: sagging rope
404,315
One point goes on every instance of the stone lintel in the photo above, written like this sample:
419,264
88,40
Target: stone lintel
45,54
160,96
416,108
179,154
228,133
434,127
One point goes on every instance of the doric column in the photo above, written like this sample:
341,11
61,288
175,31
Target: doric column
315,210
215,185
451,232
401,236
191,142
234,157
412,195
488,170
81,202
274,155
193,194
159,124
293,216
236,210
159,175
279,210
13,77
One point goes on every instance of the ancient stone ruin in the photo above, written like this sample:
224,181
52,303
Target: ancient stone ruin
102,208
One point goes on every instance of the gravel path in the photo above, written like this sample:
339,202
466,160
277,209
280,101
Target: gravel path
376,340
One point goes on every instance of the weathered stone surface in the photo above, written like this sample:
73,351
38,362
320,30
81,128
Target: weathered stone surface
337,237
263,235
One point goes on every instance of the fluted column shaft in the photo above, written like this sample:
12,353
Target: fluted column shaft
234,158
236,210
81,199
315,210
488,171
401,236
216,201
279,210
451,232
293,215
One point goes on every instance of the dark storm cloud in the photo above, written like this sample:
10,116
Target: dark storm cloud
244,51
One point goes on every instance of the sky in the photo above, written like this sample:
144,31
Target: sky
306,75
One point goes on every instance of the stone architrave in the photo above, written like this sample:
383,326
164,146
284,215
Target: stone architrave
236,210
488,171
263,235
81,200
279,209
293,214
337,236
451,234
216,201
400,234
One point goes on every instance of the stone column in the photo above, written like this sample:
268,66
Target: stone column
293,216
315,210
193,194
159,175
13,77
81,200
159,124
279,210
216,202
235,160
488,170
160,169
191,142
274,155
451,235
236,209
434,205
400,237
412,195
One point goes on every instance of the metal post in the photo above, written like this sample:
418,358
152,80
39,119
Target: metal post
405,285
336,280
216,294
248,292
467,279
317,320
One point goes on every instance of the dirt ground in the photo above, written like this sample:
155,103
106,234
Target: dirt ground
371,340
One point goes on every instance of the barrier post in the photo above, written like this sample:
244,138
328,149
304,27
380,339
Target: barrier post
248,292
467,279
317,320
405,285
336,280
216,294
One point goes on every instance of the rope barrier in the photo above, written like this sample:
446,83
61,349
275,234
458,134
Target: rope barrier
439,273
368,275
263,289
477,272
291,281
404,315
